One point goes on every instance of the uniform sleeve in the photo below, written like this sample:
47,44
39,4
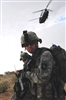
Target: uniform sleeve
45,69
46,64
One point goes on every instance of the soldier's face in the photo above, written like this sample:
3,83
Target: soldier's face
31,48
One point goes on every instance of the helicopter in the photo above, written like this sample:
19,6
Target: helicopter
44,14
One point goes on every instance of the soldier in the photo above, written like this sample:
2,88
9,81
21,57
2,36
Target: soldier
44,85
22,91
27,59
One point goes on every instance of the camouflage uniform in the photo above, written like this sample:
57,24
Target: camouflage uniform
41,75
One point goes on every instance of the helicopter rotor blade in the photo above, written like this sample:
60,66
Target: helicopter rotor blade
48,4
38,10
33,19
49,10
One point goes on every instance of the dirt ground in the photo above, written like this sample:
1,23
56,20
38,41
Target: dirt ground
6,95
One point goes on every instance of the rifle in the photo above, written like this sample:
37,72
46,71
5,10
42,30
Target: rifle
19,76
22,85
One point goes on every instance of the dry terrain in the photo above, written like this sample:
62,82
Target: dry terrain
11,80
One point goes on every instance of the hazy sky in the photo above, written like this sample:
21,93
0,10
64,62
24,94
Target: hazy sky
15,16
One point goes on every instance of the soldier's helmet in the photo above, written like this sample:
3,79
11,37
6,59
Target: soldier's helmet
29,37
24,56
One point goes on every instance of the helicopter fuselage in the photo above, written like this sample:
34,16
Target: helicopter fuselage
43,18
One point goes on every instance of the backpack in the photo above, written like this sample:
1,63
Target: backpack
59,55
59,71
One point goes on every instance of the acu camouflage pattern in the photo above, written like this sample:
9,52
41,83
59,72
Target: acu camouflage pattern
40,77
27,37
41,86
